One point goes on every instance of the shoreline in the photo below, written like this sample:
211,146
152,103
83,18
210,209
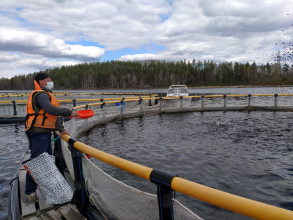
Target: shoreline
196,87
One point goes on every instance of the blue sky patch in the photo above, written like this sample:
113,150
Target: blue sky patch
170,2
24,22
164,17
114,55
21,19
84,43
15,53
19,9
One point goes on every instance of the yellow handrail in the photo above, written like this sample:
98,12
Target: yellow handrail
68,93
216,197
229,201
236,95
262,95
134,168
212,96
152,98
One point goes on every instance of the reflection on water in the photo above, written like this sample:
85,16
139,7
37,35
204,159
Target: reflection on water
247,154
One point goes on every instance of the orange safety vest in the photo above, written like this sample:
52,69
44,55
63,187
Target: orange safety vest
36,117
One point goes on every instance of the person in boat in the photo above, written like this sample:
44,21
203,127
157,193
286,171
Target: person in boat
43,117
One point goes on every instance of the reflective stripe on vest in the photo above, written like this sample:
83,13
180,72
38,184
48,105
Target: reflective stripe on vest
38,117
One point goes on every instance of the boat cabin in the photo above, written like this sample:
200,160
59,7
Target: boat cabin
177,90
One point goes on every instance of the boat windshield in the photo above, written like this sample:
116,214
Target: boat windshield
172,91
182,90
177,91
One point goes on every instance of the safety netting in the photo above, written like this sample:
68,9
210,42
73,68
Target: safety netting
114,199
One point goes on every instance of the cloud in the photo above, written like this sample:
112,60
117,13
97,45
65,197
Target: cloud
26,64
222,30
6,57
225,30
46,45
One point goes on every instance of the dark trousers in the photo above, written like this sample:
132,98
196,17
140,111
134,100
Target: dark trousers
40,143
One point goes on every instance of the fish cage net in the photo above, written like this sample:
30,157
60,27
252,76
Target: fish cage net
114,199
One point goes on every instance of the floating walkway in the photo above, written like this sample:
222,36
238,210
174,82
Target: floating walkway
41,211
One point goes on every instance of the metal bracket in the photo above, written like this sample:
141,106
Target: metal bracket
59,154
74,151
162,178
79,185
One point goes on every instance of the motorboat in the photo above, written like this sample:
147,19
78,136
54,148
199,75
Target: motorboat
176,96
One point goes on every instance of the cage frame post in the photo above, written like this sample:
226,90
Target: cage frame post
121,106
14,108
59,159
225,100
161,104
276,100
74,102
103,108
80,198
164,193
202,101
141,105
249,99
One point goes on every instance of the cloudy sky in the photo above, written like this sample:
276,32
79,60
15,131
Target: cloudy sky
36,35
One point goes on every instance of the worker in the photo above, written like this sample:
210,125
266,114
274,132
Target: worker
43,117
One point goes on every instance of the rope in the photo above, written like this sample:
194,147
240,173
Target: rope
55,139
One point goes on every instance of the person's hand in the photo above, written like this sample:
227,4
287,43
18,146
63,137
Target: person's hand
64,132
74,114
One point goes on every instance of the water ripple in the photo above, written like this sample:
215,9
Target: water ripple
247,154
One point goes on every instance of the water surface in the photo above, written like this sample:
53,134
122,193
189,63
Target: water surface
246,154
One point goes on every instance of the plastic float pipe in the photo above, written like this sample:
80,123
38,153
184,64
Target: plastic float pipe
107,99
83,106
262,95
194,96
235,95
229,201
216,197
150,98
130,100
285,94
134,168
212,96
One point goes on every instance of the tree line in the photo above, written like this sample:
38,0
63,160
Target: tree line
156,74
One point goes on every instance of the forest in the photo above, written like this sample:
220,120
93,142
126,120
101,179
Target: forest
156,74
